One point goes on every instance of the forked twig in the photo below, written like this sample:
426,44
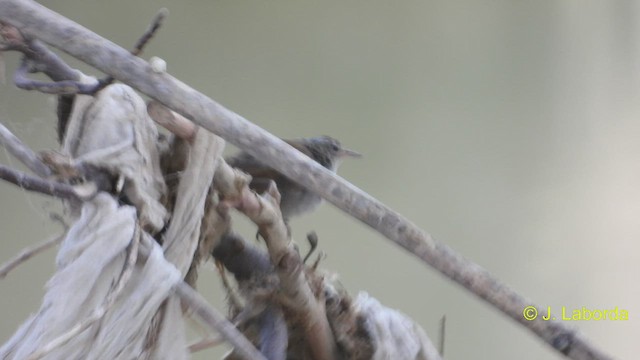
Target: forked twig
38,57
61,87
38,184
66,81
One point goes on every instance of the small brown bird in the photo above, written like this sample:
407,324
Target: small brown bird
295,199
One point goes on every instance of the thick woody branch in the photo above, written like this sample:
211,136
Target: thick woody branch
40,22
156,23
67,81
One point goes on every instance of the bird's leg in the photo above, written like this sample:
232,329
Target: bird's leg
312,238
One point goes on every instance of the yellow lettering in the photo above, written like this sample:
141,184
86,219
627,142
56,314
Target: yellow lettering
624,315
576,315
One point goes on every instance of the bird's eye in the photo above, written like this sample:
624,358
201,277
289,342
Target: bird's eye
335,147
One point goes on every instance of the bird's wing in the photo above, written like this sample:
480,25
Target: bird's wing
261,174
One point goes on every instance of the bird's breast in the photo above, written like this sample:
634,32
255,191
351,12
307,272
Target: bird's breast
296,200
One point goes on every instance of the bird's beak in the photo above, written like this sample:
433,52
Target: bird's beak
349,153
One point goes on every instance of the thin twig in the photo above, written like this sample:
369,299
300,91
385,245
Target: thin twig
443,323
99,312
62,87
28,253
32,183
156,23
234,299
216,321
22,152
205,344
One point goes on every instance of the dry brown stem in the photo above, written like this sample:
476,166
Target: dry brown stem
176,123
205,344
264,211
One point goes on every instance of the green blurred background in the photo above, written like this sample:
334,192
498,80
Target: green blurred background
509,130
